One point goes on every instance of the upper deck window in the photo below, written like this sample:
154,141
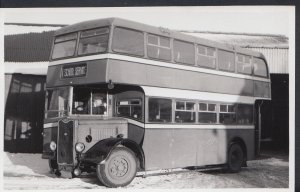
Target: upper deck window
128,41
64,46
243,64
184,52
206,56
226,61
259,67
93,41
159,47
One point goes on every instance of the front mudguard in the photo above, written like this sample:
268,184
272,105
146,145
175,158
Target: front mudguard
101,150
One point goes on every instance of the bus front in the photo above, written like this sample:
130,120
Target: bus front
84,111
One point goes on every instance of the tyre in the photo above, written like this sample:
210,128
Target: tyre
235,158
119,169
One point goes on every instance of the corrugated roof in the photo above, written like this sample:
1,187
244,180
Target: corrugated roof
245,40
16,28
30,47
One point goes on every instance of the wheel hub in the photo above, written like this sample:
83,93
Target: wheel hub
118,167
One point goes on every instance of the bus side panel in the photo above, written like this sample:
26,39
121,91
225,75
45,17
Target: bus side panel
211,147
174,148
157,148
247,135
159,76
262,89
184,147
135,133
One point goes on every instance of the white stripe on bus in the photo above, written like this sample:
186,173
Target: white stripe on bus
175,126
196,95
137,123
156,63
195,126
187,126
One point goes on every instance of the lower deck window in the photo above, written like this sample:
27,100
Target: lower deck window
160,110
130,108
227,114
207,113
185,112
244,114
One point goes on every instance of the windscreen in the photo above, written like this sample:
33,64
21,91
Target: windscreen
57,102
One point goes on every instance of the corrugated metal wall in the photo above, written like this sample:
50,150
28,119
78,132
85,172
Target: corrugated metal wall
277,59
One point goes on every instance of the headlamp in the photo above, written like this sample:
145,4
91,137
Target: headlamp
52,145
79,147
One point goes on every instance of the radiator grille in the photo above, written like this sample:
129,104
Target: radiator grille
65,142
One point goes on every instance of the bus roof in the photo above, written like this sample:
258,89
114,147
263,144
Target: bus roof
153,30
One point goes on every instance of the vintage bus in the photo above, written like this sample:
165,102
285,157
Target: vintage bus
125,97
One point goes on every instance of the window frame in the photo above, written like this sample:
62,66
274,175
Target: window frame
266,65
75,50
234,62
147,109
90,103
227,112
193,52
206,51
111,38
158,46
79,38
130,99
216,111
243,63
185,110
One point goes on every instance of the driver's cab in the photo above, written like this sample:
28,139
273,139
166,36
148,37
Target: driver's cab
89,102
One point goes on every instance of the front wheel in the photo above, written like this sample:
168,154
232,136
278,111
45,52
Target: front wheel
235,158
119,169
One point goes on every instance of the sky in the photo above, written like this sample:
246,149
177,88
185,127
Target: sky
251,19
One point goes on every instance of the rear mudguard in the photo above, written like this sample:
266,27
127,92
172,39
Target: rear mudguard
101,150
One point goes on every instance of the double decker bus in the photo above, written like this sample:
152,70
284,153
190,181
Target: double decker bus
125,97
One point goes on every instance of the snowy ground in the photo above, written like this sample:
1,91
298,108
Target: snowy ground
29,171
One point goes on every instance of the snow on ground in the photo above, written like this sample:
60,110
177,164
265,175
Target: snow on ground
29,171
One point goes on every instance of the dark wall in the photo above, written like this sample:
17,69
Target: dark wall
24,111
275,132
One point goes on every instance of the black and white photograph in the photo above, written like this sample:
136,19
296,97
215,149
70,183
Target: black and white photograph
148,98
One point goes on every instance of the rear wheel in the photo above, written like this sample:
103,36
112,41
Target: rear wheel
119,169
235,158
